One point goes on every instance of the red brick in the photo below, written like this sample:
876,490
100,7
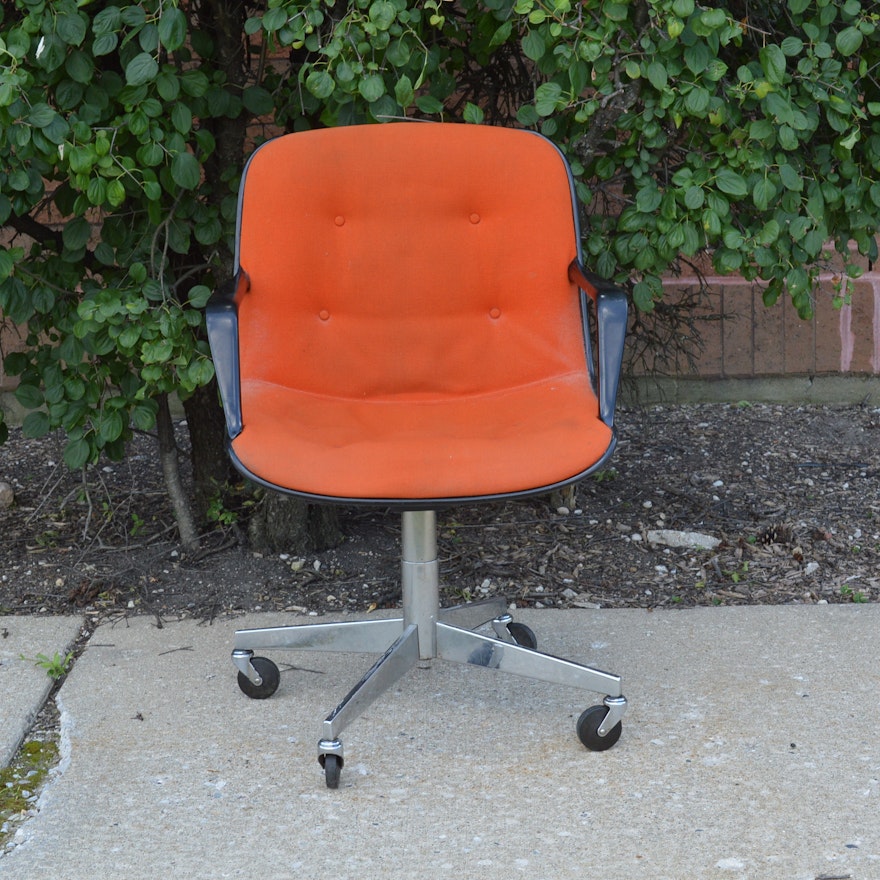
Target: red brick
834,330
768,336
798,343
865,309
738,340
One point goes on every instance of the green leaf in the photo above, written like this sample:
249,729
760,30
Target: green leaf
81,69
71,28
533,45
473,114
527,115
7,264
185,170
730,182
694,198
77,454
791,180
105,44
143,416
41,115
697,57
158,352
763,192
110,427
320,84
199,296
404,93
36,425
29,396
258,101
371,87
172,28
792,46
182,120
429,104
643,296
849,41
547,97
502,34
648,199
382,14
657,75
142,69
773,62
115,193
130,336
76,233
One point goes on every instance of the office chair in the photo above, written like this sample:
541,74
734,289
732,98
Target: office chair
410,326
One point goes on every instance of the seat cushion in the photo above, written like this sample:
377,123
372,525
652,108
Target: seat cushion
436,447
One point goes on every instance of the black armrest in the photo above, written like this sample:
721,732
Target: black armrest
611,323
222,320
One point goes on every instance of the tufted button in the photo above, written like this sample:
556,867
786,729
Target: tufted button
475,218
324,315
339,220
495,313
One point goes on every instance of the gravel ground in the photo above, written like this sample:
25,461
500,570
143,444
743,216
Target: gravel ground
784,497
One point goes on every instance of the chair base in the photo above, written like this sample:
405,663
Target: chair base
424,633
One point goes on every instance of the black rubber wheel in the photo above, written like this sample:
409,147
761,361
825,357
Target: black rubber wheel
588,729
268,671
522,634
332,769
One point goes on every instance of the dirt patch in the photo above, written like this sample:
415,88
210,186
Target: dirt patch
790,492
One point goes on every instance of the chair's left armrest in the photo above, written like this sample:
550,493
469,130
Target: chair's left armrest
611,323
221,317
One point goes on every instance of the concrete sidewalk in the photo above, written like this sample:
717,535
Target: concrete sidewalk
750,750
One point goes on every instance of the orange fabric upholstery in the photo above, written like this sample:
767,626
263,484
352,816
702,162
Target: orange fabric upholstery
410,330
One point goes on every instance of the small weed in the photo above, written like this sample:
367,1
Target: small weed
218,512
56,667
605,475
48,539
856,596
137,525
738,574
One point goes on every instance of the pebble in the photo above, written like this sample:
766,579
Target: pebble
692,540
7,496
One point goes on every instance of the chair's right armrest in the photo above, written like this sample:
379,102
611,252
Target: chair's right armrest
221,317
611,323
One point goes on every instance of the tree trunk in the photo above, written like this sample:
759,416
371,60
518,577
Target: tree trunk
212,469
286,524
189,536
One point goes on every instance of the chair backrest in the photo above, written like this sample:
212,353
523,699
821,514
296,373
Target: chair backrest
408,260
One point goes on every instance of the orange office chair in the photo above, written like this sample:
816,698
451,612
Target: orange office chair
410,326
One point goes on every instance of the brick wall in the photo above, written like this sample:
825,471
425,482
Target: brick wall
746,339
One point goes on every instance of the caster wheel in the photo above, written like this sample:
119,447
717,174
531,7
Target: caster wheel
588,729
523,635
332,765
268,672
